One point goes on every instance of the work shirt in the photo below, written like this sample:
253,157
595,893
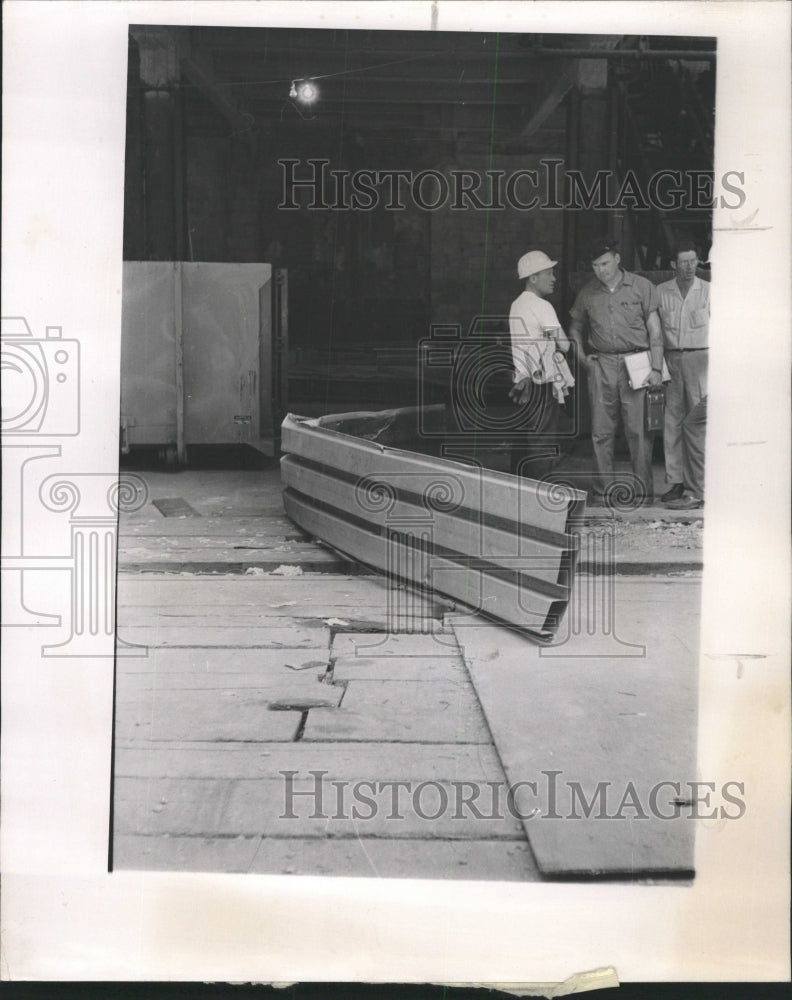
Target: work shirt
685,321
535,355
617,319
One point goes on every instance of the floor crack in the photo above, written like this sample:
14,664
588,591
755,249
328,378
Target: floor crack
301,726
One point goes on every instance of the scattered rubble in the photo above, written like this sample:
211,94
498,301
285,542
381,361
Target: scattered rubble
287,570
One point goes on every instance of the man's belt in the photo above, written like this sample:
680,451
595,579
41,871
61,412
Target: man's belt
622,354
684,350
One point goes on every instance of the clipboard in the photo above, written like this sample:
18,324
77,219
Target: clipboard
639,367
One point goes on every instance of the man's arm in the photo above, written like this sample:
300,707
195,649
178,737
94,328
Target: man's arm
522,382
562,341
517,333
576,336
549,319
655,348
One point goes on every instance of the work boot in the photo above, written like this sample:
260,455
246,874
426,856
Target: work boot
688,502
675,493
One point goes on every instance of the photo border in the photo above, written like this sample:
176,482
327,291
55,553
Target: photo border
64,916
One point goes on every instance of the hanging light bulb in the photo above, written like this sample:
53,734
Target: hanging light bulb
307,92
292,90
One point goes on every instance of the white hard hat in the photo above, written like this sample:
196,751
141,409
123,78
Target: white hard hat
533,262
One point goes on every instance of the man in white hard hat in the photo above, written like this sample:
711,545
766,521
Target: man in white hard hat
541,375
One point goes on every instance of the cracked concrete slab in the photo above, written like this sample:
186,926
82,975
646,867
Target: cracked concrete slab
367,857
285,636
338,761
207,795
603,723
166,604
426,645
278,808
407,711
214,661
205,715
398,668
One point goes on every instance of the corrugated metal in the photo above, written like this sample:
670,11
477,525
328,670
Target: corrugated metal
499,544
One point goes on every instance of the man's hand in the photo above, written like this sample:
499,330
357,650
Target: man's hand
520,392
655,378
588,361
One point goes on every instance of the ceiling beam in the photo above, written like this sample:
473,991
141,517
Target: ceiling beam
691,55
378,43
434,68
197,70
565,81
585,73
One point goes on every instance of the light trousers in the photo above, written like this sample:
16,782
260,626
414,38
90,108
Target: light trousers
688,386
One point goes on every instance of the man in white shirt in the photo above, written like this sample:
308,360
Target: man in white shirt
541,375
684,315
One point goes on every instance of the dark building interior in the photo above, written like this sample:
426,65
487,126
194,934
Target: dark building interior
212,111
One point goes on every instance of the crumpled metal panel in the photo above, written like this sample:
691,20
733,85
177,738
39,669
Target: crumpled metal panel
500,545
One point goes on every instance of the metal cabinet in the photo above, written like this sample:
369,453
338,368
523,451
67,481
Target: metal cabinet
203,355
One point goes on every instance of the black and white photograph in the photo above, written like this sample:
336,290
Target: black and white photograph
453,632
395,447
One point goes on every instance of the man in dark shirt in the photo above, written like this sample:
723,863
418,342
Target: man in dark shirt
622,313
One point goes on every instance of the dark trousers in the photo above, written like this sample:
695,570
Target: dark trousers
534,447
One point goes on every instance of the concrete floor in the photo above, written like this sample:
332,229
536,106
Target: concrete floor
264,683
